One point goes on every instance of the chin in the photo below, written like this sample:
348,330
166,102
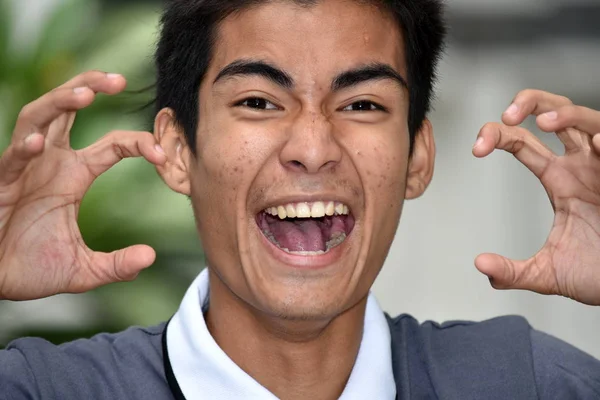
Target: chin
300,306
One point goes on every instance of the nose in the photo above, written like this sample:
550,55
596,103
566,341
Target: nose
311,146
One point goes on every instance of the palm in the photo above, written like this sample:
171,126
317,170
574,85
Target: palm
572,250
42,183
50,193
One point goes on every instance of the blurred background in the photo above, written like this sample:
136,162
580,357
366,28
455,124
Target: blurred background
496,48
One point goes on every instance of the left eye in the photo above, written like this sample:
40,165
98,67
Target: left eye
257,103
363,106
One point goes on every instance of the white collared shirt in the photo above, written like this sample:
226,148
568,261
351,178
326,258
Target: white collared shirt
204,371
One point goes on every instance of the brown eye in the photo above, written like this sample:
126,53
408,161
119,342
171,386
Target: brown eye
257,103
363,106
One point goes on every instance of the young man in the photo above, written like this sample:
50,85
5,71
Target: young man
297,128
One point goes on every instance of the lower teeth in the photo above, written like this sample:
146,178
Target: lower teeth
304,253
336,240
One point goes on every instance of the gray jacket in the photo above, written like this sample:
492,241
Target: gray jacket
503,358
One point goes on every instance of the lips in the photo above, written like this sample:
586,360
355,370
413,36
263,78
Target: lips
306,229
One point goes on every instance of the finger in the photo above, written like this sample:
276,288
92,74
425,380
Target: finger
39,114
98,81
59,130
16,158
118,266
596,143
532,102
72,96
527,148
505,273
574,125
578,117
117,145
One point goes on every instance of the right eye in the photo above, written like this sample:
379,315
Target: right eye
257,103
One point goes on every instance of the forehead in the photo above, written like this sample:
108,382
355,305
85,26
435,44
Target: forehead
311,42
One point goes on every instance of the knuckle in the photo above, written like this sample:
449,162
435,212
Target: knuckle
56,96
569,113
526,95
490,127
112,134
515,139
92,73
564,100
517,144
118,150
115,137
27,112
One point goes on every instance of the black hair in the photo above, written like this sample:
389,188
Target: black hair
189,30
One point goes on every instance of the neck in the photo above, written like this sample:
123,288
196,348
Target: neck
292,359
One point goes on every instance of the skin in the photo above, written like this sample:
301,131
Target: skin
299,322
298,327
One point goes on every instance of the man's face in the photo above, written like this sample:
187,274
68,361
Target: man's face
302,115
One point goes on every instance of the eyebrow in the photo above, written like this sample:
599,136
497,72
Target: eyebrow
345,80
257,68
370,72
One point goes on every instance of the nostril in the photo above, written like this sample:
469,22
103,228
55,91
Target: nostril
297,164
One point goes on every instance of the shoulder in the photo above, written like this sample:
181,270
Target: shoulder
510,323
107,366
503,356
500,333
468,360
563,371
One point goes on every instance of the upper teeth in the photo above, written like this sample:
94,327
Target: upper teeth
316,209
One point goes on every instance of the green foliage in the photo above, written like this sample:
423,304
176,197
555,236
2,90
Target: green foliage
129,204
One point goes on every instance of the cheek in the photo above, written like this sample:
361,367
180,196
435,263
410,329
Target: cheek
219,170
385,166
229,159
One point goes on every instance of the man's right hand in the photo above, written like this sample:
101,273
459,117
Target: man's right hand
42,183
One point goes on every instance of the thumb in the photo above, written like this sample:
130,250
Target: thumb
120,265
505,273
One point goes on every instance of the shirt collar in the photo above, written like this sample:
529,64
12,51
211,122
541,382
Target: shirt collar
204,371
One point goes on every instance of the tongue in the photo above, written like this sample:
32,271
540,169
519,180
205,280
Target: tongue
301,235
308,234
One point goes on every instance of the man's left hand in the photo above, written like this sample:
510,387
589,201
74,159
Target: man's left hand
569,262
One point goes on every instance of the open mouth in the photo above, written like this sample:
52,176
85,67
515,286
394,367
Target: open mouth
308,229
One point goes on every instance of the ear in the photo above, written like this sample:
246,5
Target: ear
175,172
421,163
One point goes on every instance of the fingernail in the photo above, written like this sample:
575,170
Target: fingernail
159,149
29,138
512,110
79,90
112,76
552,115
478,143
